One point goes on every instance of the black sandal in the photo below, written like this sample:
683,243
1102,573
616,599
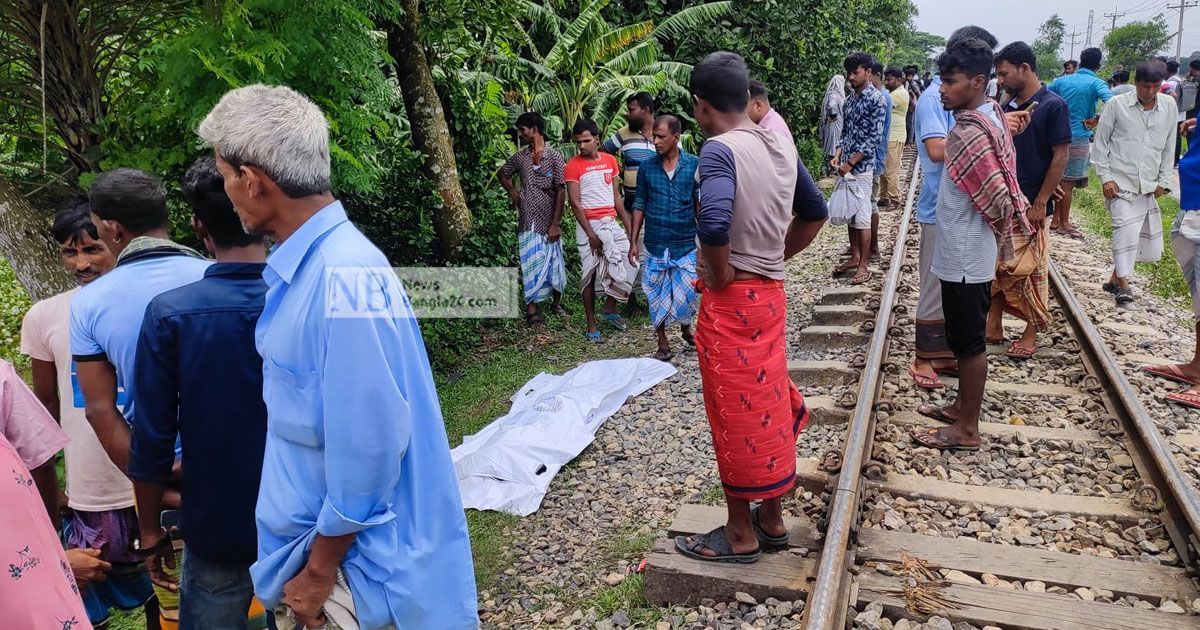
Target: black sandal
560,310
533,319
664,354
688,337
718,543
771,543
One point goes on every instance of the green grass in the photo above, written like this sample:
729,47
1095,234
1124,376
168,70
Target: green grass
1166,278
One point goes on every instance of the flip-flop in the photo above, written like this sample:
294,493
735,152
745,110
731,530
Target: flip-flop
593,336
560,310
924,381
615,320
664,355
861,278
1171,372
1017,351
933,437
844,267
716,542
766,542
1074,233
1111,287
934,412
1187,398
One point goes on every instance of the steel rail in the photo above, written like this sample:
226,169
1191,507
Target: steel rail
825,602
1162,472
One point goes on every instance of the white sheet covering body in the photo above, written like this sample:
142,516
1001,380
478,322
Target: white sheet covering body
508,465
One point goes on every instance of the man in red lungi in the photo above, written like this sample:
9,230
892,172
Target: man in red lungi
758,207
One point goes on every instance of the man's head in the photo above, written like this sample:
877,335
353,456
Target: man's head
893,78
1194,68
1016,67
972,32
910,72
876,73
666,134
84,255
720,85
1070,66
1172,68
1120,77
1090,59
127,203
639,110
858,69
530,125
964,69
586,134
213,216
1148,78
760,101
272,148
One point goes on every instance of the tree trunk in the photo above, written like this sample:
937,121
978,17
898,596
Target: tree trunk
26,243
451,219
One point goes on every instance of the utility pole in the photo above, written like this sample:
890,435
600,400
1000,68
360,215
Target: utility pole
1088,42
1182,6
1114,15
1074,40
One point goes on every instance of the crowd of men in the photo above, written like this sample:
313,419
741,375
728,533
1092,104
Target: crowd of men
238,457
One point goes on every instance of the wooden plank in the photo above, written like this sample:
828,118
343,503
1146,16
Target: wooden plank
996,429
1021,610
922,487
674,579
699,519
1023,389
1151,582
821,373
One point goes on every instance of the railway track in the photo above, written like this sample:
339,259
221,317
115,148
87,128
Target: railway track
1073,514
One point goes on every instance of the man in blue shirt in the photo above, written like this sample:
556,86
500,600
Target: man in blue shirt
1080,89
359,516
933,122
881,156
195,355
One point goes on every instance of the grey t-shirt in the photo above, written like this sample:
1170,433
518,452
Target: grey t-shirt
965,247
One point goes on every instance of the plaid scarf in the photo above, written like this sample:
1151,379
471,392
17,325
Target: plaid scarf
981,161
141,244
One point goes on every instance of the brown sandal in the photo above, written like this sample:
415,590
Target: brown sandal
932,437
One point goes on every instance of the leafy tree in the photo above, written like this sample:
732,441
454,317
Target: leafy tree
568,68
1046,46
1135,42
916,49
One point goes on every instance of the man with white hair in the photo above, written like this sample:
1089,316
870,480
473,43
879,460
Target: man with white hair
360,524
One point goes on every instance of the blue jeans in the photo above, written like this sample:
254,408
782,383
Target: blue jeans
213,595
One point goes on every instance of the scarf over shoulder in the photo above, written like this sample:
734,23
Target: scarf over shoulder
982,162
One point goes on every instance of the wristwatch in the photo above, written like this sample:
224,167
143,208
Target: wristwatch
146,552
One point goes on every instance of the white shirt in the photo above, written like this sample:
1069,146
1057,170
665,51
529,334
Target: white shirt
1135,151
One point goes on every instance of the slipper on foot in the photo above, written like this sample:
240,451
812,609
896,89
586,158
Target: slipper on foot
932,437
1171,372
861,278
767,542
716,542
1187,398
925,381
934,412
615,320
593,336
1017,351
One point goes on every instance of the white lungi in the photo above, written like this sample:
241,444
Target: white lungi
1137,230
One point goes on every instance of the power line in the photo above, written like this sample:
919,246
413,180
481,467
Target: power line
1074,40
1114,15
1091,15
1182,6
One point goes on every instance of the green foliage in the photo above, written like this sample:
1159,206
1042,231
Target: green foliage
916,49
1046,45
1132,43
13,304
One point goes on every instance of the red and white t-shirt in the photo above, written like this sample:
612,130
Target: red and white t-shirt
595,178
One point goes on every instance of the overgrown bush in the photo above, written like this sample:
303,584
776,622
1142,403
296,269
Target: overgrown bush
13,304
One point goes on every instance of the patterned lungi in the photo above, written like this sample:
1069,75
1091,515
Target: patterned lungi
610,270
1185,242
543,270
670,289
1078,158
754,410
1024,282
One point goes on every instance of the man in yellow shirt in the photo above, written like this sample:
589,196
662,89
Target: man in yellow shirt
893,79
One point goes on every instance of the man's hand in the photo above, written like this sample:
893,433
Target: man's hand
1187,127
161,558
87,566
1058,193
844,168
515,198
1037,212
1110,190
1090,123
633,252
1159,192
554,233
1017,122
595,243
306,594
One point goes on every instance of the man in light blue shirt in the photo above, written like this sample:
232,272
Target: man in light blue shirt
1081,90
881,155
933,122
359,517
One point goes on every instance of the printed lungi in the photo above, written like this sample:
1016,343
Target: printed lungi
931,323
1185,242
1137,230
610,269
754,410
1024,282
851,200
670,289
543,270
1078,158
